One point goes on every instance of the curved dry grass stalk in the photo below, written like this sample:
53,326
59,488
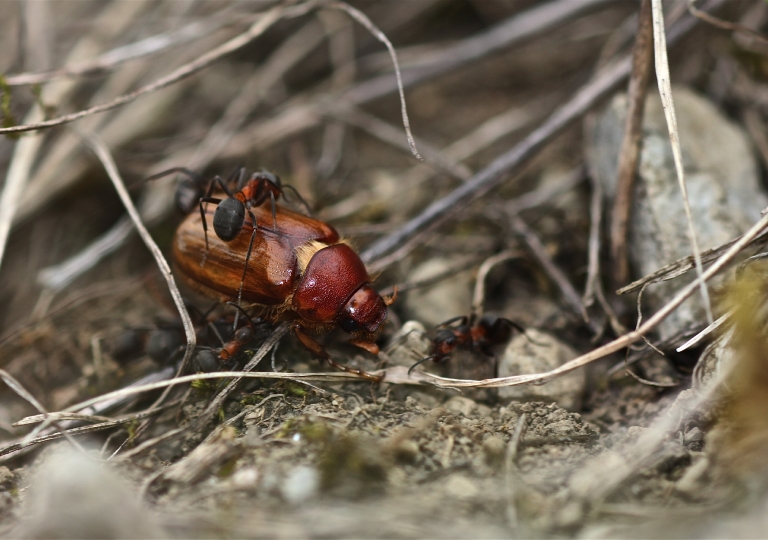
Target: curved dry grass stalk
363,19
306,111
665,92
102,152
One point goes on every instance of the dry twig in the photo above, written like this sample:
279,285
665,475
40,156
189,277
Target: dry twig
630,146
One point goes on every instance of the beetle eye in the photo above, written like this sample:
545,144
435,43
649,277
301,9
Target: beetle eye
348,325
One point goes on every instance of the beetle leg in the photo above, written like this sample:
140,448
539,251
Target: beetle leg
315,348
389,300
366,345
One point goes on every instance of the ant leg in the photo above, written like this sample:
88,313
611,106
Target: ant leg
173,170
203,200
462,318
241,178
247,258
315,348
241,310
274,211
304,203
222,184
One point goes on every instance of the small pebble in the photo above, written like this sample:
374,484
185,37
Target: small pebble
406,451
537,352
461,487
461,405
244,478
302,483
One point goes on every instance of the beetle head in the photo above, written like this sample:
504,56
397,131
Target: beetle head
364,311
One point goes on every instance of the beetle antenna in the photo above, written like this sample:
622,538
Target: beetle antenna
426,358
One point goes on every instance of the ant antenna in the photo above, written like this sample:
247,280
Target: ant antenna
237,315
426,358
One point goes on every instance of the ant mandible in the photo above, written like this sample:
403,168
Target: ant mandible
490,330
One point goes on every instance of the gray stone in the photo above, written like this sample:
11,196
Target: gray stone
536,352
441,301
723,188
75,496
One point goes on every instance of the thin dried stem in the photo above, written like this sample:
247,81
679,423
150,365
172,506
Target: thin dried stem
550,268
521,26
630,147
363,19
102,152
725,25
665,91
478,296
389,134
22,392
595,230
684,265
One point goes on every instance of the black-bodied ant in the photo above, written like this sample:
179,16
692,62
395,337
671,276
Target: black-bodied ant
489,331
229,216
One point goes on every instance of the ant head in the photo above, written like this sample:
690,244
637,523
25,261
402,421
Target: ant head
244,334
228,218
363,312
269,176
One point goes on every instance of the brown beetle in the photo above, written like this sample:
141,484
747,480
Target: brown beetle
298,267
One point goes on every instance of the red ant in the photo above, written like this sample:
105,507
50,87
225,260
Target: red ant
210,359
490,330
